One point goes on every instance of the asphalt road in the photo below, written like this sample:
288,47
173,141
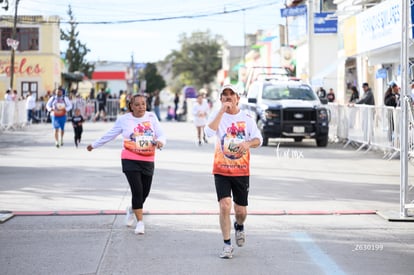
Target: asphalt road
312,210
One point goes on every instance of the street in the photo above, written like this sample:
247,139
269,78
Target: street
311,210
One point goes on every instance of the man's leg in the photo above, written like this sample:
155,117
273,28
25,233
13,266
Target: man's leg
225,221
240,213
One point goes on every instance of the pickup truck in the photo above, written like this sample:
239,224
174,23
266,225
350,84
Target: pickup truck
287,109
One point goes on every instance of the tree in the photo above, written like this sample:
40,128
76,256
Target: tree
198,60
76,52
153,79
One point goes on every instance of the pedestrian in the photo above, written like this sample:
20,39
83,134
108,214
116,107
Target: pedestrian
8,96
58,105
331,95
30,107
176,102
101,99
142,134
236,132
321,92
77,123
200,113
122,102
368,97
157,102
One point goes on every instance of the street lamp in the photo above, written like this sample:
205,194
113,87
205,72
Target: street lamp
13,48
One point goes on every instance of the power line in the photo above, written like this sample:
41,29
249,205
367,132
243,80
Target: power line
201,15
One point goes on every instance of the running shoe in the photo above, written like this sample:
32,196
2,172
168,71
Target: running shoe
140,228
227,252
240,236
129,216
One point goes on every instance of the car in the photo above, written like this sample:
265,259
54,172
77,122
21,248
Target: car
286,108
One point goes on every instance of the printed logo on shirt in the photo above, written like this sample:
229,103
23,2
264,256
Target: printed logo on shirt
141,141
60,107
235,134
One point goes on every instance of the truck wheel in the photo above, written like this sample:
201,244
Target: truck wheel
322,141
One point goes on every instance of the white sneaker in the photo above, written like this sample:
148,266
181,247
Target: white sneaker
129,216
240,236
140,229
227,252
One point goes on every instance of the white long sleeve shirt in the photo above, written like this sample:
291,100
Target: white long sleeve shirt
139,136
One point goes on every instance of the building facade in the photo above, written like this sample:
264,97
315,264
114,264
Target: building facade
37,63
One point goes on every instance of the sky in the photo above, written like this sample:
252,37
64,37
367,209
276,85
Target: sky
153,27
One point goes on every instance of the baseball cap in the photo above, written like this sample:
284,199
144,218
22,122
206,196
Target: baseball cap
229,87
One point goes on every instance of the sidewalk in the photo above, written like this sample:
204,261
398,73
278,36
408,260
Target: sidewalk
305,218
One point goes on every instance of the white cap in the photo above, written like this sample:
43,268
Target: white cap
229,87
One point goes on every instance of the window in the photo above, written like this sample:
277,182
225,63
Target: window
28,38
29,86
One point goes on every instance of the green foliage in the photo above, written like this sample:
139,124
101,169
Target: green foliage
198,61
76,52
154,80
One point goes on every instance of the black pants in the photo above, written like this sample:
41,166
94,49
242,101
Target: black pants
78,134
140,187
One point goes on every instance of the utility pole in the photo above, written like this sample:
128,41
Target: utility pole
310,21
12,48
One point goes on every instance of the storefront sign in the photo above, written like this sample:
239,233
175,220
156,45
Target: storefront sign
294,11
22,68
379,26
325,22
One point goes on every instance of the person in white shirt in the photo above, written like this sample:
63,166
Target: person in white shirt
236,132
142,134
30,106
200,113
58,106
8,96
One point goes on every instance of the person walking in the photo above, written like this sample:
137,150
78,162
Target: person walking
101,99
30,107
77,123
157,102
58,105
236,132
122,102
142,134
200,113
176,102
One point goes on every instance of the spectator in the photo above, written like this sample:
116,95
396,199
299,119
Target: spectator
101,100
157,102
321,92
367,97
176,101
30,107
355,95
8,96
392,95
331,95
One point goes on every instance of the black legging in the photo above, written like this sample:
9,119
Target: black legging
140,187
